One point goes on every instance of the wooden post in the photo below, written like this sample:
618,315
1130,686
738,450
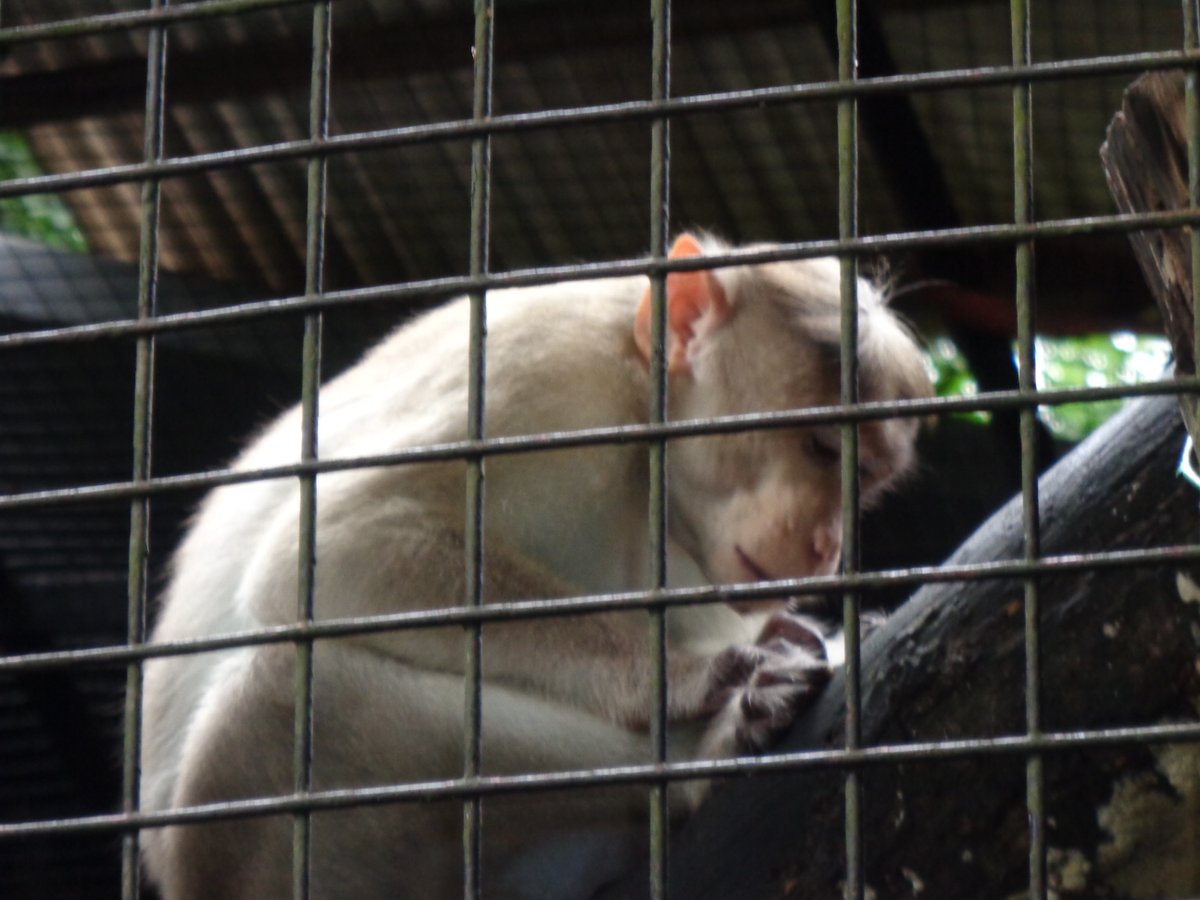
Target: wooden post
1145,161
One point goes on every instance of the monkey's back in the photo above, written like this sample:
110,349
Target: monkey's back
540,340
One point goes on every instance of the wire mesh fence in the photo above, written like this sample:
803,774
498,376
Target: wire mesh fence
216,188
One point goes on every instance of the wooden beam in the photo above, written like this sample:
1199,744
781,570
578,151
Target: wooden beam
396,49
1119,650
1145,160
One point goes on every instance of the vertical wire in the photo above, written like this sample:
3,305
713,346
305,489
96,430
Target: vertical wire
847,35
1191,82
314,255
660,186
1191,41
143,412
1023,214
481,173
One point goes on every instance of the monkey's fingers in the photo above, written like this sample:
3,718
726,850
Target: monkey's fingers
793,629
763,716
769,705
734,666
812,675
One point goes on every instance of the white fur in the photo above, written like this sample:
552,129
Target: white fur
562,693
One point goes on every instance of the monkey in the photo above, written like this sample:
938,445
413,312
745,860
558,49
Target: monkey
559,693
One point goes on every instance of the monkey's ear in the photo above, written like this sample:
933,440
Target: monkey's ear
696,304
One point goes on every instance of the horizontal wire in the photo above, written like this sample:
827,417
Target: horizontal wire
635,111
483,786
134,21
1064,564
434,287
629,111
591,437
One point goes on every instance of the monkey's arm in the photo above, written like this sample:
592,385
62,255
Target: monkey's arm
407,556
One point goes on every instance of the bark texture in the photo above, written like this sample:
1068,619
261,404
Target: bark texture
1120,648
1145,161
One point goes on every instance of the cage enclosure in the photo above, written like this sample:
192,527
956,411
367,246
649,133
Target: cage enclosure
209,209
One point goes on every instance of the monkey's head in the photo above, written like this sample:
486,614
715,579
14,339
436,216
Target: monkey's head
766,504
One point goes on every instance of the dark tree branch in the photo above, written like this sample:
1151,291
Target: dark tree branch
1120,649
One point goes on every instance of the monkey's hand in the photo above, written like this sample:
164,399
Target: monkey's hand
793,668
763,687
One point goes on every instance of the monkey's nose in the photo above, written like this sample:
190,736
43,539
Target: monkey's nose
826,547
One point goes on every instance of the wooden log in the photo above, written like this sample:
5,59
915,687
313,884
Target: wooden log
1120,648
1145,161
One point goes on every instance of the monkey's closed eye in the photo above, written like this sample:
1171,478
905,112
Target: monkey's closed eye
825,449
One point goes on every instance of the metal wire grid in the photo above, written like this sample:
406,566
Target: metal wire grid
1022,101
481,174
660,218
850,246
847,125
139,515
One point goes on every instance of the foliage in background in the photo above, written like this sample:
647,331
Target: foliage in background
951,376
1098,360
39,217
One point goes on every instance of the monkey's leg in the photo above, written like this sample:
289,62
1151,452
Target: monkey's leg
404,556
378,723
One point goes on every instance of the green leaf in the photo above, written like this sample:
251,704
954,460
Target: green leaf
1094,360
40,217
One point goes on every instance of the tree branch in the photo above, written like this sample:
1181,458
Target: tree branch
1120,649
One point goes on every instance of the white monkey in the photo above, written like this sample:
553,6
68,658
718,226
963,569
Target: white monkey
559,693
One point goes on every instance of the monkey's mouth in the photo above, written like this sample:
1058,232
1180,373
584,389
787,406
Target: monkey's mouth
755,570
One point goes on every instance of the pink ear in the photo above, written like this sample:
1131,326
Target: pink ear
696,304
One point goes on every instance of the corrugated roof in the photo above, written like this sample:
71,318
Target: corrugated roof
559,195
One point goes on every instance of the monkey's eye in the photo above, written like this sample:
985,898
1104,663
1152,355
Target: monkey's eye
825,448
872,473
